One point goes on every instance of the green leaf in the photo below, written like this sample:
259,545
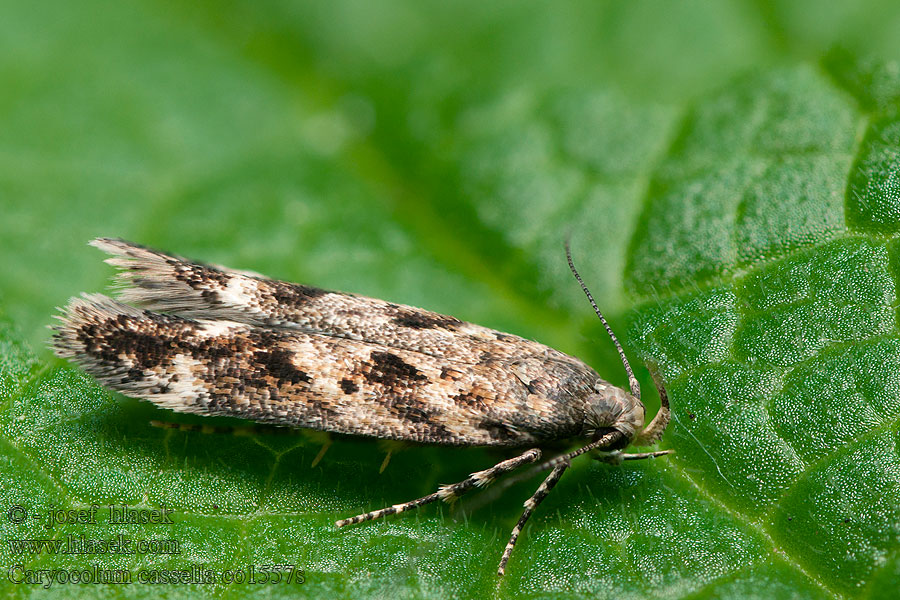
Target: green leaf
728,174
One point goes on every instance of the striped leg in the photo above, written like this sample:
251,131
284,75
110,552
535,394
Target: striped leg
617,457
448,493
643,455
530,505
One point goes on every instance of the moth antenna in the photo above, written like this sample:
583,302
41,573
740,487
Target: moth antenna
632,380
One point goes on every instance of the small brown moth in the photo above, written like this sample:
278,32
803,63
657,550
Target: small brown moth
213,341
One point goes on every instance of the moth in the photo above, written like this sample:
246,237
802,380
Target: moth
204,339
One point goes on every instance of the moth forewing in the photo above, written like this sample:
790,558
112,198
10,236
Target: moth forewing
213,341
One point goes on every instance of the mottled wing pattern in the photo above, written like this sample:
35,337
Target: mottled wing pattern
214,341
170,284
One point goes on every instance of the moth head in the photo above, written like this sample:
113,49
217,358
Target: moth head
611,407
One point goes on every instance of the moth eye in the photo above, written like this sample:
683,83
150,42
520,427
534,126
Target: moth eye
600,432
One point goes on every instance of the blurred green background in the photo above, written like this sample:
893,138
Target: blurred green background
728,172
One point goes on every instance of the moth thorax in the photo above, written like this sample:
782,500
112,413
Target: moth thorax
613,407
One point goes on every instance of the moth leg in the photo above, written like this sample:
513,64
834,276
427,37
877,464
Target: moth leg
643,455
321,453
617,458
448,493
530,505
384,463
390,447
